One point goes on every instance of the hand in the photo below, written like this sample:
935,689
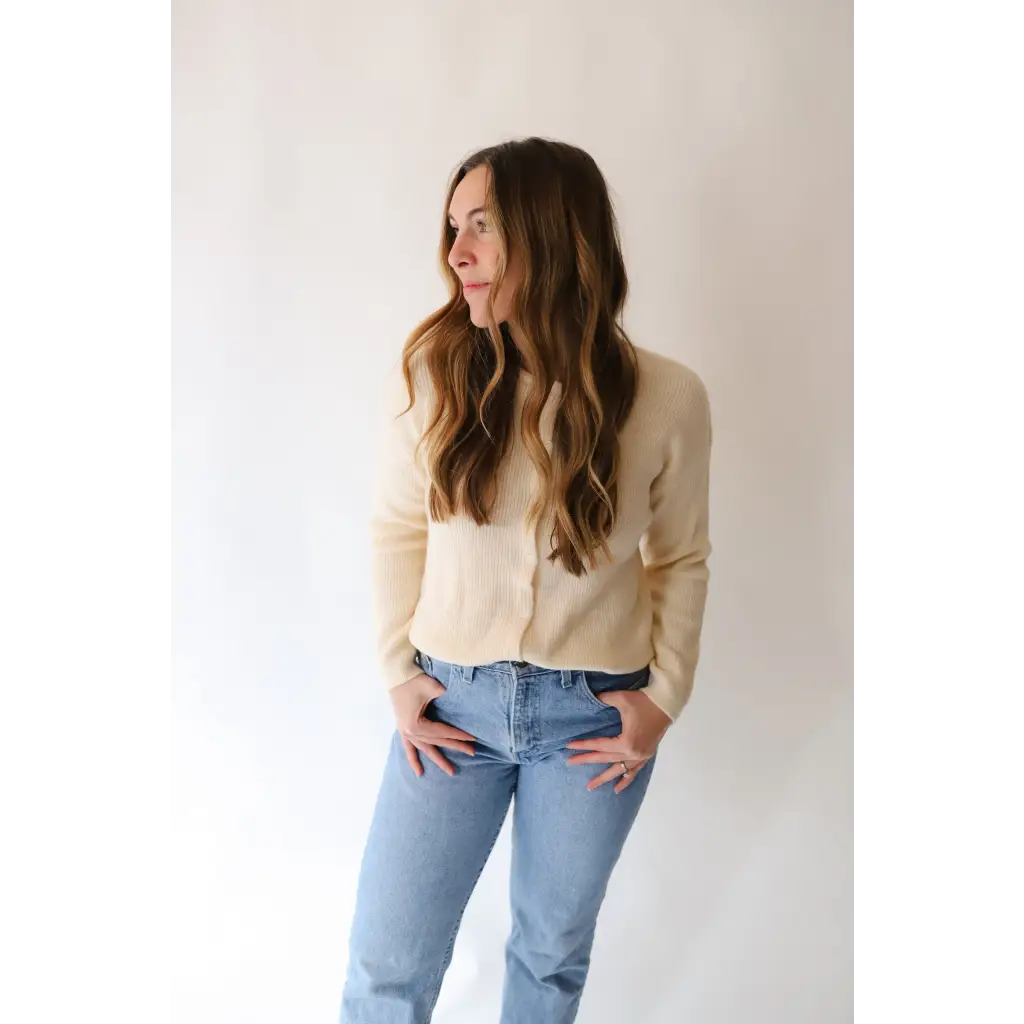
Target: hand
643,725
410,700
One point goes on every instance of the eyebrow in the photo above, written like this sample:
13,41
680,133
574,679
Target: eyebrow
472,213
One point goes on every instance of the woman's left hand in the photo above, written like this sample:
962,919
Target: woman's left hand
643,725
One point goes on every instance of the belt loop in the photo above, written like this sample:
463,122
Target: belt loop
566,678
467,673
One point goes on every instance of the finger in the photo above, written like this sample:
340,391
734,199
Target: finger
611,743
597,758
606,776
442,730
434,739
438,758
412,757
466,748
625,781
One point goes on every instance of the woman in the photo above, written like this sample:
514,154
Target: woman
540,545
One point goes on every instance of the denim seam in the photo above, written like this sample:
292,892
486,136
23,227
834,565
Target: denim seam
458,921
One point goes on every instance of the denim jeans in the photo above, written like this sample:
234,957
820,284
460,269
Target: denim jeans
431,836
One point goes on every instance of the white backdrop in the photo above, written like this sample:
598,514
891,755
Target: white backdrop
313,139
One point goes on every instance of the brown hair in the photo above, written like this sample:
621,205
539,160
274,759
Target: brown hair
548,202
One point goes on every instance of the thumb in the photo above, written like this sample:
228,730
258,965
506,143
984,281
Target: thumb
614,698
436,688
430,692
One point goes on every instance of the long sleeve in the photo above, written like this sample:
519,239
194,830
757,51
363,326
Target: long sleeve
675,549
398,531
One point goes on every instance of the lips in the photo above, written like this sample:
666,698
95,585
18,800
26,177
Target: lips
475,286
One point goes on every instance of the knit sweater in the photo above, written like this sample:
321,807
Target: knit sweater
473,595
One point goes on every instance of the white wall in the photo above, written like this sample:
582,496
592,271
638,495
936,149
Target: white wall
313,139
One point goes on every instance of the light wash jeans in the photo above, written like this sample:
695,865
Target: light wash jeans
431,836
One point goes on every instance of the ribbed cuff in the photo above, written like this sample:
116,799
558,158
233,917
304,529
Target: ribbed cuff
664,694
400,669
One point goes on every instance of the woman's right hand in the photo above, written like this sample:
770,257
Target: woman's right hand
410,700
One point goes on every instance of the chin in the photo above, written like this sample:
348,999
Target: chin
479,317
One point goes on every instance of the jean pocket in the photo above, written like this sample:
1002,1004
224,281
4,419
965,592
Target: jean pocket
435,669
440,671
592,683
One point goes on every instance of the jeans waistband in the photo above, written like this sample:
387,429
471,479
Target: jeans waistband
519,668
525,669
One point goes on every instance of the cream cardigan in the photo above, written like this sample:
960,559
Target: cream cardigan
473,595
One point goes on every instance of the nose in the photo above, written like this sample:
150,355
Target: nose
461,254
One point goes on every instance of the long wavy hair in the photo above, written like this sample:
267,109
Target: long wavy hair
548,203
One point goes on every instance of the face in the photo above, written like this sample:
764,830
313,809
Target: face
474,254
